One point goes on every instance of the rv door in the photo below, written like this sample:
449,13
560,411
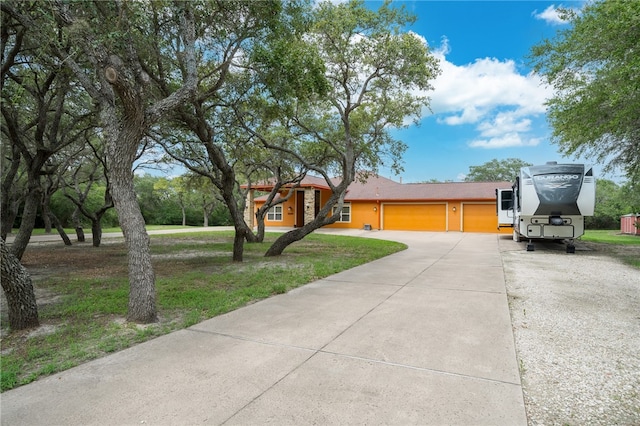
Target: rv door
504,206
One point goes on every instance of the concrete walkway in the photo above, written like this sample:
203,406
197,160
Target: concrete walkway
420,337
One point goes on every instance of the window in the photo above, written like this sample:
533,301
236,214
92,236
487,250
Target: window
345,214
275,213
507,200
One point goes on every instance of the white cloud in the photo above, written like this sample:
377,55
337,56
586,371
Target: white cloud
550,15
490,94
503,123
473,90
506,140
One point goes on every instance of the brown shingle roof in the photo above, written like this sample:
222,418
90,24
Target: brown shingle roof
383,189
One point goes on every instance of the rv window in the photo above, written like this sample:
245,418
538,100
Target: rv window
507,200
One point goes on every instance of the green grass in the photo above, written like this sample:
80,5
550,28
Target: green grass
610,237
195,280
622,246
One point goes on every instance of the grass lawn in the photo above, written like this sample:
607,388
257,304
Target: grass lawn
82,291
610,237
625,247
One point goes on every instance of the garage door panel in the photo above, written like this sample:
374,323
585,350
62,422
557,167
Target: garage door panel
414,217
479,218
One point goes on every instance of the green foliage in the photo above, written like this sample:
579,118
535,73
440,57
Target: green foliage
162,199
379,74
612,201
594,67
496,170
63,208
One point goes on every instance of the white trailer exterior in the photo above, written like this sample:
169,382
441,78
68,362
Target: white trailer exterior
548,202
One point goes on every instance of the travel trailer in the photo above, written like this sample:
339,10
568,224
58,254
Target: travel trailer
548,202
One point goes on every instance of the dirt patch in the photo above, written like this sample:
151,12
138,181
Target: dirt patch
54,260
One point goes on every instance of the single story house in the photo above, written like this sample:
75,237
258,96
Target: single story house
382,203
628,224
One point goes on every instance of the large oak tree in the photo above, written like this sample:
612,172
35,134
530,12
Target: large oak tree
378,74
594,67
123,54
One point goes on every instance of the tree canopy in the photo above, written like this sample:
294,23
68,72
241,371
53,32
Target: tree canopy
496,170
594,67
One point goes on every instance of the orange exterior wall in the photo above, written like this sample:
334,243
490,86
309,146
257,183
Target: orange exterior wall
288,216
362,213
368,213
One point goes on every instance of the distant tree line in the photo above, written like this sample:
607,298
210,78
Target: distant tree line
161,203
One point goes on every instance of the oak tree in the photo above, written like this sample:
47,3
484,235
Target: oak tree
594,67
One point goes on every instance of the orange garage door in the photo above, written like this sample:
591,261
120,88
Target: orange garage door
414,217
479,218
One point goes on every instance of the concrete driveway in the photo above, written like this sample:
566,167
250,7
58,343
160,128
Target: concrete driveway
423,337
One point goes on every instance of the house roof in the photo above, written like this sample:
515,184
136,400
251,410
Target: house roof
383,189
379,188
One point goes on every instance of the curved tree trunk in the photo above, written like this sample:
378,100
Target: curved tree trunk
54,220
284,240
17,286
121,150
320,220
29,213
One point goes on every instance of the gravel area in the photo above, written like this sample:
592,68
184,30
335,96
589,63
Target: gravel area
576,323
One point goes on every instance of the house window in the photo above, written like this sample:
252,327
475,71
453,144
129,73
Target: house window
345,214
275,213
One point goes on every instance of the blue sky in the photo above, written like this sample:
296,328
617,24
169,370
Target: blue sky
486,104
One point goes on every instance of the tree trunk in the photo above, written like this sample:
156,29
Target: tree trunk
18,289
261,228
320,220
96,232
78,225
288,238
54,220
8,205
46,218
9,215
238,245
142,292
29,213
121,145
